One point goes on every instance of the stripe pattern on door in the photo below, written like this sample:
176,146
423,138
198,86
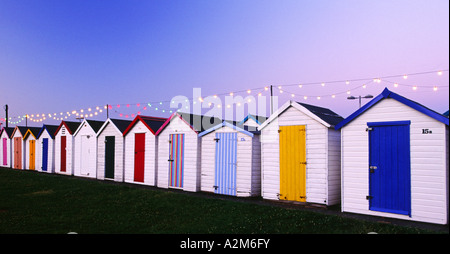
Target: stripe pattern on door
293,162
390,167
225,163
176,160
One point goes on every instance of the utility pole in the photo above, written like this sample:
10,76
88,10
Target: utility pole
107,111
271,100
6,109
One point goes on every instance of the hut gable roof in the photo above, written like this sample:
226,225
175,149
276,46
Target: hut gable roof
34,131
324,113
240,128
21,129
9,131
70,126
324,116
152,123
258,119
388,94
49,128
198,123
95,125
119,124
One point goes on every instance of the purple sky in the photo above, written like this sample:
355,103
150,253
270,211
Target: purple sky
60,55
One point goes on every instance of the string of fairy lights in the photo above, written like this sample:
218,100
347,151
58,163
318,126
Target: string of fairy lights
298,90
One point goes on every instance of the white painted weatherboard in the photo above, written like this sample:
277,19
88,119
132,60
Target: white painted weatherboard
8,150
85,151
248,158
429,162
192,152
69,151
119,151
150,155
51,152
322,157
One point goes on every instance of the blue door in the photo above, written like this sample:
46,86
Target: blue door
44,154
225,166
389,167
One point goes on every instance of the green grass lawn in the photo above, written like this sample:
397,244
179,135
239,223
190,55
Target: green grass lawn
40,203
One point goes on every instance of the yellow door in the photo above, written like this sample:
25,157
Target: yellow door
293,163
32,150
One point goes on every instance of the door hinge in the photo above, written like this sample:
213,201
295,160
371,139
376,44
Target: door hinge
215,187
369,197
170,160
369,129
217,139
279,131
303,162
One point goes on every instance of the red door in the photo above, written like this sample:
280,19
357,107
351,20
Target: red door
63,153
18,153
139,157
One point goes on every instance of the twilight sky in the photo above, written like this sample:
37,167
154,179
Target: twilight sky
57,56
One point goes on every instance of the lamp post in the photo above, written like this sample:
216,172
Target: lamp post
359,97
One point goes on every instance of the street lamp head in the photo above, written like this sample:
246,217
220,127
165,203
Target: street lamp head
368,96
351,97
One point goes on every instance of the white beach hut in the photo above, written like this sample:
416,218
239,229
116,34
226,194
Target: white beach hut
231,160
45,149
17,147
29,143
111,150
300,153
179,150
5,146
140,150
395,160
85,148
64,147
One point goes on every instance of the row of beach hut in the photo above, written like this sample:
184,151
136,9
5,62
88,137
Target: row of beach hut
390,158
